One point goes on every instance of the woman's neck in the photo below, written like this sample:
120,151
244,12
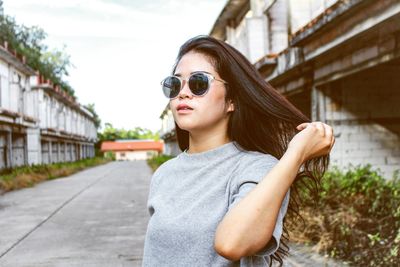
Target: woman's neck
201,143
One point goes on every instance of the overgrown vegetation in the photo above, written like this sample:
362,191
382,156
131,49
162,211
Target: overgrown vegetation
27,176
156,161
356,218
110,155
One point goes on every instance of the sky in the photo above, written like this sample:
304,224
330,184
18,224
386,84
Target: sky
120,49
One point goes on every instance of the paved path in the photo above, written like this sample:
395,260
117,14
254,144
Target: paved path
97,217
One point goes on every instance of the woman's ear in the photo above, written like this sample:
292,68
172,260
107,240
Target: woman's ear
231,106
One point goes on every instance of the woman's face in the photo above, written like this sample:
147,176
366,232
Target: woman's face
208,111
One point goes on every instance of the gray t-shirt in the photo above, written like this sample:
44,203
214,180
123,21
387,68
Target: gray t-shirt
190,194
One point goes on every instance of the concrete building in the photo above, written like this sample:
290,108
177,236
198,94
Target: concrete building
39,123
168,134
133,149
337,61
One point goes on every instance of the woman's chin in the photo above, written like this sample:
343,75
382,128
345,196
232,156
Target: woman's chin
187,126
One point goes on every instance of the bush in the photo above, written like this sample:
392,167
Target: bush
26,176
356,218
110,155
157,160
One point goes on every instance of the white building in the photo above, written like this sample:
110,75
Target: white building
168,134
38,122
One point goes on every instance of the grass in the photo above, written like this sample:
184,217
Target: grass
356,218
28,176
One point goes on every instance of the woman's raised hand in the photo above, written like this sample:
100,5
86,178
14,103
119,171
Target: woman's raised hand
314,139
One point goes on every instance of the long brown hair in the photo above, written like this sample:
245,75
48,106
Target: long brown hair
263,119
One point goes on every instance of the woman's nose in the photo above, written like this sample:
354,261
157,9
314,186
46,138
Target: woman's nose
185,91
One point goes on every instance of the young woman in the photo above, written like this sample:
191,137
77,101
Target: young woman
222,201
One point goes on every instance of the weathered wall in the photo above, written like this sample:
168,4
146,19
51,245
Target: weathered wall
364,110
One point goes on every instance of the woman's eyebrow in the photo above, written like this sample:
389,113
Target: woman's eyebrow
197,71
200,71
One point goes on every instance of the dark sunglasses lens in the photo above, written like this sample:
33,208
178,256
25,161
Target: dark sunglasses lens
198,83
171,86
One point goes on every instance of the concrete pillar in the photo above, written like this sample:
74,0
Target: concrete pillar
9,161
33,146
318,105
65,151
58,151
50,152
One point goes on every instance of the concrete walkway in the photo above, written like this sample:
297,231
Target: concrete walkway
97,217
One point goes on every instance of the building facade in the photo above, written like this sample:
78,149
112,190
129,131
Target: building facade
39,123
337,61
168,134
133,149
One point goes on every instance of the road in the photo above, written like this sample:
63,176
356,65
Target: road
97,217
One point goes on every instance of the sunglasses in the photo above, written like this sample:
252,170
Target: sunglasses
199,83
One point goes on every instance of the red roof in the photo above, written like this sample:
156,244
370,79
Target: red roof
131,145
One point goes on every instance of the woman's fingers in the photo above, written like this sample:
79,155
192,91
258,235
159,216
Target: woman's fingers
302,126
320,126
318,136
329,136
332,139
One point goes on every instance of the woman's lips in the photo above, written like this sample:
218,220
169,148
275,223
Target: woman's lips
184,111
184,108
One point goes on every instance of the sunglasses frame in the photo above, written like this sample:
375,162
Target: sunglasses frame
209,76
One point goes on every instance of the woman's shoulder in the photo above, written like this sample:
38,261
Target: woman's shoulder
167,165
254,162
250,157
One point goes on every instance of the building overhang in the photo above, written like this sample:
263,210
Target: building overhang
15,62
232,13
61,96
343,43
326,20
52,132
266,64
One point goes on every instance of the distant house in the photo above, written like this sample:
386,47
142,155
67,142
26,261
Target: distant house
133,149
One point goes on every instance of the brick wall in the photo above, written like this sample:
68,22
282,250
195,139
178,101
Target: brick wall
365,110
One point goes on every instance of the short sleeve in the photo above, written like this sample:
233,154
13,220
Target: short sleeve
154,181
250,172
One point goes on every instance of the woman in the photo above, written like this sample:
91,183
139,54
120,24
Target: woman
222,201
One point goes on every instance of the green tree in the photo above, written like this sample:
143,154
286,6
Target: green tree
111,133
28,41
91,108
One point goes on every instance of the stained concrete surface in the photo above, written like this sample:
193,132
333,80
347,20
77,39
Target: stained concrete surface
97,217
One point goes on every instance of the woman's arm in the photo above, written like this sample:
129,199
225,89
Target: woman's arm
248,226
